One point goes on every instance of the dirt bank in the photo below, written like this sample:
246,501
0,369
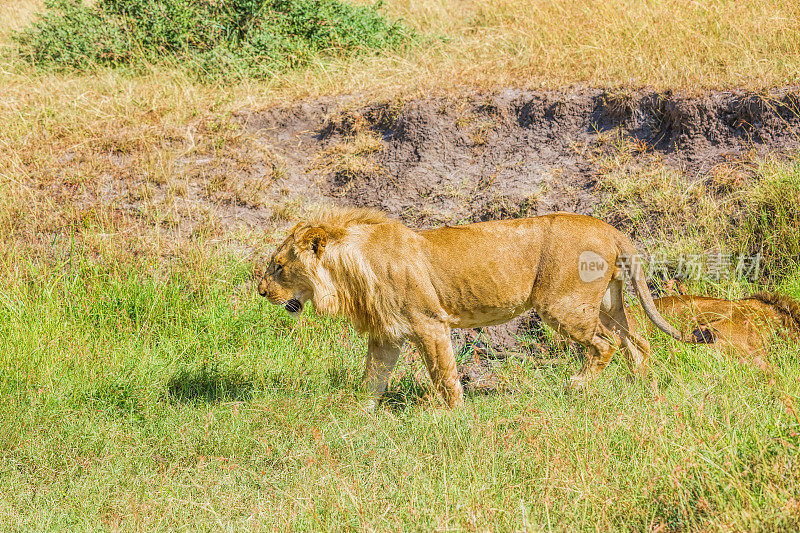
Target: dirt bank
510,153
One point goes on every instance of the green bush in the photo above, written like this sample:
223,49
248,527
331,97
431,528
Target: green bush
212,38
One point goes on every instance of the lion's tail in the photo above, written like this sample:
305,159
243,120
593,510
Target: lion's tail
630,258
789,308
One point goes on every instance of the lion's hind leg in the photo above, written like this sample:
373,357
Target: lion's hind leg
635,348
587,329
614,319
600,348
602,331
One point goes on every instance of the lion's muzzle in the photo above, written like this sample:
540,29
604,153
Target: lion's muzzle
272,292
262,287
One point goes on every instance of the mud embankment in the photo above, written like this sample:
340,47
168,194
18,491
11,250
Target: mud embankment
510,153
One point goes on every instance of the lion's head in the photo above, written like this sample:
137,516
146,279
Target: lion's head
290,277
328,259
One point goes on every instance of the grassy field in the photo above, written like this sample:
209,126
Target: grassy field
144,384
140,396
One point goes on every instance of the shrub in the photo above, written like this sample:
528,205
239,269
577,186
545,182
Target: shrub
212,38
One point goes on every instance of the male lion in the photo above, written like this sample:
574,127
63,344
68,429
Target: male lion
396,283
745,326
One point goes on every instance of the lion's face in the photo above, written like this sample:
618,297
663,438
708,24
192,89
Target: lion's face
287,281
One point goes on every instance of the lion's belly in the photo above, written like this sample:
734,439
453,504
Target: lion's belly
484,316
496,298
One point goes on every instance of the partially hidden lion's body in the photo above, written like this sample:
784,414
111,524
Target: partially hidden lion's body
746,327
396,283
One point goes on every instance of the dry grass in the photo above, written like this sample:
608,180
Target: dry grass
666,44
747,205
675,44
60,131
16,14
658,202
352,157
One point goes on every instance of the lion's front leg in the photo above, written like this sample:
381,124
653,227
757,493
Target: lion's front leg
437,350
381,359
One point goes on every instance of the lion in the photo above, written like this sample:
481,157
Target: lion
746,326
395,283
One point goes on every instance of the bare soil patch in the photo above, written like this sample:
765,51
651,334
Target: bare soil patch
510,153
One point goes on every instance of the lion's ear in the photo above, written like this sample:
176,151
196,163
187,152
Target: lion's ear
314,239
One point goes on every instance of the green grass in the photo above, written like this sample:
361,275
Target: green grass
229,39
140,395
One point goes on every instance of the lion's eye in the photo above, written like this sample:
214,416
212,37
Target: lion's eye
278,268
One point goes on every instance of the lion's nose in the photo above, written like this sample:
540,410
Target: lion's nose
262,287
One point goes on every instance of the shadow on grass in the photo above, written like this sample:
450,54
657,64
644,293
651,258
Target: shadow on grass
121,397
213,384
209,384
408,392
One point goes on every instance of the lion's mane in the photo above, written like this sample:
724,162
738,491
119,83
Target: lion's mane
346,281
787,307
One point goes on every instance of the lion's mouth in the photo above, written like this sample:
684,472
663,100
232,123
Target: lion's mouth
293,306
